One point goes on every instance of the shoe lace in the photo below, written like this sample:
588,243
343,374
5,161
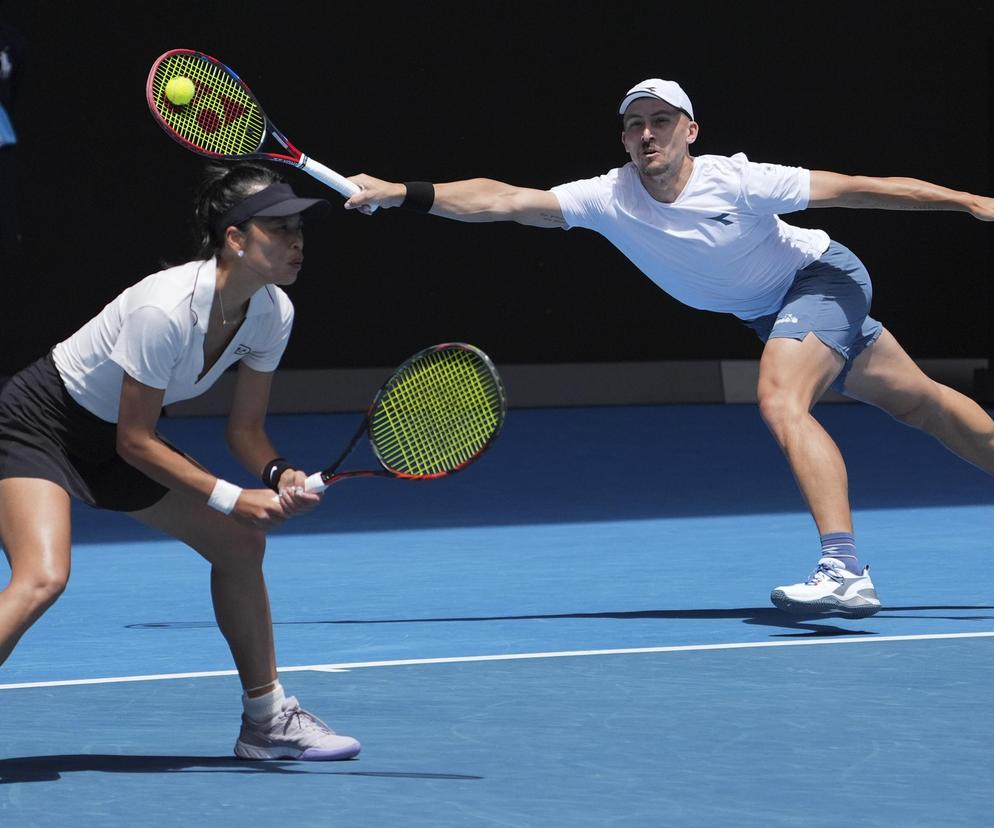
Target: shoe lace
303,720
821,572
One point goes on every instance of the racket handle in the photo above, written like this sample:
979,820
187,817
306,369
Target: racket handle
315,483
328,177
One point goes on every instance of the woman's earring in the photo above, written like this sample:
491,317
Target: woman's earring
241,253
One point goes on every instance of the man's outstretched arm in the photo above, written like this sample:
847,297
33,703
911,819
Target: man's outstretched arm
474,200
830,189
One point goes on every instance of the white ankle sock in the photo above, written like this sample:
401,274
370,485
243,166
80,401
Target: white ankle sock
266,707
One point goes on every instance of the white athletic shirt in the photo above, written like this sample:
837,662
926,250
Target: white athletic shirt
155,332
720,246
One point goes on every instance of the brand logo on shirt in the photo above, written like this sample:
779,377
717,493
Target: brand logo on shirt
241,350
721,218
785,319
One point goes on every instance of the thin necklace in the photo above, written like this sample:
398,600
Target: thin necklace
220,301
224,321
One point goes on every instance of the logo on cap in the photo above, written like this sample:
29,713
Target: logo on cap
664,90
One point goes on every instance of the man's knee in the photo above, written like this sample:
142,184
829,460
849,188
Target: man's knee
779,408
918,409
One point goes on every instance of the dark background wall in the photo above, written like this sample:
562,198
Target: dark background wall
519,91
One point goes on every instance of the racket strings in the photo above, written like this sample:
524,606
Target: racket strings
429,451
440,413
436,424
221,119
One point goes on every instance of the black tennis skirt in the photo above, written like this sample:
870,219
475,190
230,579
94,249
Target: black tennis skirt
45,433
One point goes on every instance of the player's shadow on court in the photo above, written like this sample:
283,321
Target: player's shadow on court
808,626
51,768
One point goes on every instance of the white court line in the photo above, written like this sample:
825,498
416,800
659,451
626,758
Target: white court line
404,662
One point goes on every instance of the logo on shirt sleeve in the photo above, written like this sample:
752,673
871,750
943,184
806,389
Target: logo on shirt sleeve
241,350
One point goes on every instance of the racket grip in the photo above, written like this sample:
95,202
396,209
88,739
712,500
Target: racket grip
329,177
315,483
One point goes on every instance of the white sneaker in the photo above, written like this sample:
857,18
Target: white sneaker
831,588
293,734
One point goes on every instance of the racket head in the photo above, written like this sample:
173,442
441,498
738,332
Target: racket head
222,120
438,412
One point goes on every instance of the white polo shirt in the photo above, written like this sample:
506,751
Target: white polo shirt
720,246
155,332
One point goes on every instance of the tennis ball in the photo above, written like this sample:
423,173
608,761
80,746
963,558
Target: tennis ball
180,90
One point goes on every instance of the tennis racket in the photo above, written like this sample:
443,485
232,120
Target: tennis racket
437,413
223,119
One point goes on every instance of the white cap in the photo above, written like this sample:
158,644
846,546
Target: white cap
663,90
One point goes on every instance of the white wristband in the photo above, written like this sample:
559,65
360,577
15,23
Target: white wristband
224,497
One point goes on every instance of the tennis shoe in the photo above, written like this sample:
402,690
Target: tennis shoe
831,588
293,734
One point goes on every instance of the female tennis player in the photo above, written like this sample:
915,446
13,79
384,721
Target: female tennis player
81,422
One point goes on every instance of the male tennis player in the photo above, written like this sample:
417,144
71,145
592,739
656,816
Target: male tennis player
707,230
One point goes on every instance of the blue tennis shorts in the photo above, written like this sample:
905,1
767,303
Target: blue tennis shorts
831,299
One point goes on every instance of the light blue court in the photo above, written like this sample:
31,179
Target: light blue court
574,632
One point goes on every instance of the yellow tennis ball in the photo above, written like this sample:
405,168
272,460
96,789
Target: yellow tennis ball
180,90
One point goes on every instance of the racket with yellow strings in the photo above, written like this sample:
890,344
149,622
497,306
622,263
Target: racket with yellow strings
215,114
438,412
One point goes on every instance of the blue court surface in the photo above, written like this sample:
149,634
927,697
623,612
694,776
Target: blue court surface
575,631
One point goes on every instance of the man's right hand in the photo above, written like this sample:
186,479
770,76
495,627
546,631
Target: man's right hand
375,193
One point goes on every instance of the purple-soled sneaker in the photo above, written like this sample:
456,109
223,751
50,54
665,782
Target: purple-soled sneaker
293,734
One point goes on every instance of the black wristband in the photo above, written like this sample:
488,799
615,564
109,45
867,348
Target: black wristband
420,196
273,471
